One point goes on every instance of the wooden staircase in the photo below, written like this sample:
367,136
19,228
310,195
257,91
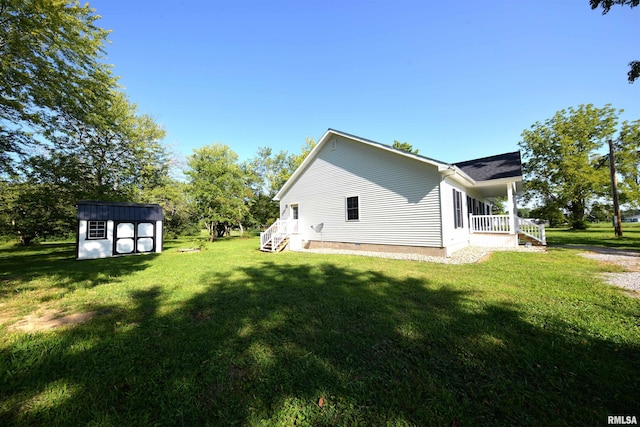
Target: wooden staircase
268,247
531,232
276,237
530,239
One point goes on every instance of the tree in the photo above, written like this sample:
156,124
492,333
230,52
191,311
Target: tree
549,213
33,210
218,188
628,163
267,173
296,160
179,215
606,5
115,151
50,64
404,146
561,158
113,156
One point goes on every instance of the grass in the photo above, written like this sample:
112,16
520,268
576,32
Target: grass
601,234
233,336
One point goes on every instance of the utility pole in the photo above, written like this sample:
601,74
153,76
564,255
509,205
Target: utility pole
617,221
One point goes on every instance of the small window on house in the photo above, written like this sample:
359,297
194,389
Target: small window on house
97,230
353,211
457,209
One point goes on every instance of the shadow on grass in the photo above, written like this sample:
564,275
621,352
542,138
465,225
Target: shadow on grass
315,345
19,266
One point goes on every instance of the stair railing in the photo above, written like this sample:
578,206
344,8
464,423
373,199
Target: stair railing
277,233
532,230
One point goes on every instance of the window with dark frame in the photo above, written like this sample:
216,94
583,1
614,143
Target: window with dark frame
457,209
97,230
353,211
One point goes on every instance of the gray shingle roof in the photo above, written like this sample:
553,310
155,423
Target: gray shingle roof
116,211
507,165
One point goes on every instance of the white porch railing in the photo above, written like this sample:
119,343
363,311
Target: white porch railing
490,223
502,224
273,236
533,230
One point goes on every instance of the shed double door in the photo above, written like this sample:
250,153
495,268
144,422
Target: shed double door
134,237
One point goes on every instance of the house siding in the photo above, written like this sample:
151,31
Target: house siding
399,197
453,238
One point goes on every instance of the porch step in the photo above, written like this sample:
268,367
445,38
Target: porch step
532,240
268,246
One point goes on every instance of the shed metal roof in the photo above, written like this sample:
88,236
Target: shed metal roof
117,211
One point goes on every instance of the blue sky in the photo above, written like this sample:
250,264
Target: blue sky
456,79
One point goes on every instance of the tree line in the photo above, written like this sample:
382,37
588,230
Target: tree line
566,164
68,132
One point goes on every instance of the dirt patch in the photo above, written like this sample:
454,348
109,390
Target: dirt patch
50,319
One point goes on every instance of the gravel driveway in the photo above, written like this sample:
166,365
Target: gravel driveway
628,259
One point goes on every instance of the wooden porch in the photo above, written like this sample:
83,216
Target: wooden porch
522,228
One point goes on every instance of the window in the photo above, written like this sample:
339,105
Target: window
97,230
353,213
457,209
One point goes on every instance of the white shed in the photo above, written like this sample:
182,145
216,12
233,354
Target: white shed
108,229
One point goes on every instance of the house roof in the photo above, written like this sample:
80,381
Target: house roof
118,211
507,165
387,147
503,166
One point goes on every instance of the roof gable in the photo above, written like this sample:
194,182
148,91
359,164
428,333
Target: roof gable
331,133
502,166
507,165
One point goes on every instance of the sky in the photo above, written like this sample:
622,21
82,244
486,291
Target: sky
458,80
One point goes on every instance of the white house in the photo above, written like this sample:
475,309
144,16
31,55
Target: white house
108,229
354,193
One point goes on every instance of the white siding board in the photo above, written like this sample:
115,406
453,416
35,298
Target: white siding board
454,237
398,197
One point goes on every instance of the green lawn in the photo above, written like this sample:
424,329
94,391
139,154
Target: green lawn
233,336
601,234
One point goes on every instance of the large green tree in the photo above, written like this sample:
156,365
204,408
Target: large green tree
116,155
217,184
628,163
30,210
51,64
117,151
267,173
561,159
606,5
179,216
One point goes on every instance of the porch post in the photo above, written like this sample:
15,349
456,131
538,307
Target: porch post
511,205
